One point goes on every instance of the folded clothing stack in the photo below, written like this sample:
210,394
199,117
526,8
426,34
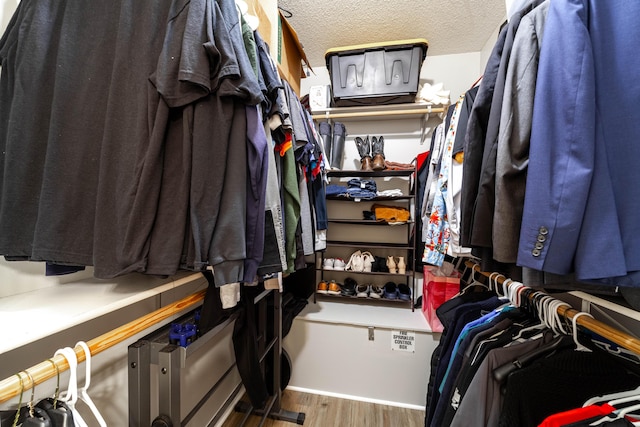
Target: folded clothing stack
362,188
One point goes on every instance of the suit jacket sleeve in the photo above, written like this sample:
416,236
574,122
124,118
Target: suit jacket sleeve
561,160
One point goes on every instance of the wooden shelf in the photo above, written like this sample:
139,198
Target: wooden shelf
367,299
350,244
371,174
388,111
368,222
47,311
407,273
375,199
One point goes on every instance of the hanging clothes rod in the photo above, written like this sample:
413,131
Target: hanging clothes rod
11,387
614,335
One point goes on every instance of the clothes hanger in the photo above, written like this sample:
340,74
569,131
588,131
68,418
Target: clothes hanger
616,415
506,289
579,347
82,391
552,307
474,282
541,324
16,418
59,412
501,373
70,397
625,399
610,397
36,417
514,292
493,283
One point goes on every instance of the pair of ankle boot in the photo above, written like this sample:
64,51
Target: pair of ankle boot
371,153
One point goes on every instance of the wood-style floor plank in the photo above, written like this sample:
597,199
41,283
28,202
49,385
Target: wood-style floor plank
323,411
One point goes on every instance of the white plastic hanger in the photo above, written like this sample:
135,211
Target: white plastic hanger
579,347
553,316
616,415
70,397
493,282
514,294
82,391
610,397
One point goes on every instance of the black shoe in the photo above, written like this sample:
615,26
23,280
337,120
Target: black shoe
380,265
404,292
349,287
390,290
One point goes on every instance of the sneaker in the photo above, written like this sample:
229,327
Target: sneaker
362,291
404,292
349,287
375,291
334,288
328,264
322,287
339,264
390,290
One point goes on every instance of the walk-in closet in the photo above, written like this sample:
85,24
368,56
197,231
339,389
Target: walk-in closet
269,213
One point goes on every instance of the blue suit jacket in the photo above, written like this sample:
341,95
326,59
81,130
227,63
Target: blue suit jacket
582,203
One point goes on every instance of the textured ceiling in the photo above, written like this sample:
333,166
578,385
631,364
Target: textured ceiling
450,26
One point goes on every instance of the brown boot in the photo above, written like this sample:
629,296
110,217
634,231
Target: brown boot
377,150
364,149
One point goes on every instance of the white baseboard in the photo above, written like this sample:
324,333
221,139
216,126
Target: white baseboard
357,398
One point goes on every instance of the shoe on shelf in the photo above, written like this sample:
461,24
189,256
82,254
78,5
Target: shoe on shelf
380,265
402,266
328,263
334,288
349,287
375,292
391,265
390,290
338,264
367,261
322,287
404,292
355,262
362,291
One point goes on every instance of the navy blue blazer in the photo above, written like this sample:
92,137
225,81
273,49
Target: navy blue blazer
582,203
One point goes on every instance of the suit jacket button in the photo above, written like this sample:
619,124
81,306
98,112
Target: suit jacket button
535,252
539,246
541,238
543,230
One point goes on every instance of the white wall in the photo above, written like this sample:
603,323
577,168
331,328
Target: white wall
6,11
340,360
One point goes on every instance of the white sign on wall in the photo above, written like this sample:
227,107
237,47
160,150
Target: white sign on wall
403,341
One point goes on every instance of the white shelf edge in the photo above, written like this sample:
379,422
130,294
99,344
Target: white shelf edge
351,313
625,311
86,302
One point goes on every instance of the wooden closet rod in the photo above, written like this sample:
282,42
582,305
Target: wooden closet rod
10,387
614,335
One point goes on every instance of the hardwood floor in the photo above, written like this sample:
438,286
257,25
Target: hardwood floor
324,411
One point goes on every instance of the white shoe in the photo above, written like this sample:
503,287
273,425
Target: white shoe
338,264
355,262
367,261
328,264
